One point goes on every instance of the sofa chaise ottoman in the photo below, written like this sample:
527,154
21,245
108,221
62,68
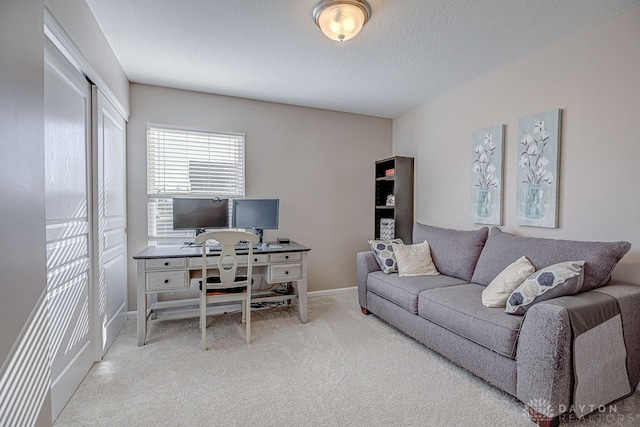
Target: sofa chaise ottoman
530,357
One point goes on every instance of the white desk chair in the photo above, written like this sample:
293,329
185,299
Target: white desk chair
228,285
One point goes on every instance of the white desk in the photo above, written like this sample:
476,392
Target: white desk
171,268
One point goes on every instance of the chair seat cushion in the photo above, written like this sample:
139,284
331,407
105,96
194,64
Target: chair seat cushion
459,309
219,291
216,279
404,291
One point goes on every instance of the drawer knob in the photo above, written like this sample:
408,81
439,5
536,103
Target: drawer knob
255,260
166,263
166,280
286,272
286,257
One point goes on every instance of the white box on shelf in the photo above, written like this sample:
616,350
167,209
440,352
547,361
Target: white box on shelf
387,228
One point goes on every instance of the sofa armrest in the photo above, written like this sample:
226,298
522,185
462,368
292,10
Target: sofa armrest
543,359
544,356
367,263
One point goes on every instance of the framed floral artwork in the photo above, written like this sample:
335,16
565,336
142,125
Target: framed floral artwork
486,179
538,169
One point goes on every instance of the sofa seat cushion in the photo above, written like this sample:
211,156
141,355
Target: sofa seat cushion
404,291
460,310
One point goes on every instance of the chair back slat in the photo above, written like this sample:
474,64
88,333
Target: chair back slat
228,260
228,271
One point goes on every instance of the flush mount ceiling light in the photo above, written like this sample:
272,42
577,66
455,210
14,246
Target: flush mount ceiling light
341,20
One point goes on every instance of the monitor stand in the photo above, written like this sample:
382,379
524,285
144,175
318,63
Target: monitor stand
259,233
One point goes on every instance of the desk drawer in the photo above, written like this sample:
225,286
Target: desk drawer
212,261
286,257
284,273
166,263
167,281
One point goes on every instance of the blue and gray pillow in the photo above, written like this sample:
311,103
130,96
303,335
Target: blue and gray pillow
565,278
384,254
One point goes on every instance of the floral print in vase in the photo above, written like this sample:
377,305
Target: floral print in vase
536,176
485,170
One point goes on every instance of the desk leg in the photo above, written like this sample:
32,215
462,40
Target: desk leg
302,290
302,299
141,303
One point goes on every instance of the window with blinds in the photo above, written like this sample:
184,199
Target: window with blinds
189,163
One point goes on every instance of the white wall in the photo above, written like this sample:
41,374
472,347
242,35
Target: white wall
22,236
319,163
594,78
21,168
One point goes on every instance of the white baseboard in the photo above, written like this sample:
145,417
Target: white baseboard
332,292
133,315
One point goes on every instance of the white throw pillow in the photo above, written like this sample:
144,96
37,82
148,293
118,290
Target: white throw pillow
498,291
414,260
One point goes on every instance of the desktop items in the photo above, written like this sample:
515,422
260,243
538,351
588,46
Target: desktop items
200,214
256,214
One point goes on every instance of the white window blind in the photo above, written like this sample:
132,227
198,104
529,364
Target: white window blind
189,163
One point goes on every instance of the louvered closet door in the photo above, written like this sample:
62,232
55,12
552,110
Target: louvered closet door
109,193
68,227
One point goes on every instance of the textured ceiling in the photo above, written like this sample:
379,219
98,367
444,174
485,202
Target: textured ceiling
408,53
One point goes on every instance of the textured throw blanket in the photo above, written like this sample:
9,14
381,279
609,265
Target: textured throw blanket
599,351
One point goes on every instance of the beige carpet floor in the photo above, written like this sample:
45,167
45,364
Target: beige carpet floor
340,369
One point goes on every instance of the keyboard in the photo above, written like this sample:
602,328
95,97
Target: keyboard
239,246
245,245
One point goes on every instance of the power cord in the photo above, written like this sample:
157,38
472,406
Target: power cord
284,289
265,305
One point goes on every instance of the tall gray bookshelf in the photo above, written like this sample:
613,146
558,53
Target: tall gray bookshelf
394,176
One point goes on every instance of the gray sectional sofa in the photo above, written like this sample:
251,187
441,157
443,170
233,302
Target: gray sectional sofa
529,357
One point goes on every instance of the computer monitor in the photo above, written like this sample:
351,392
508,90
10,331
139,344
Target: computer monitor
200,214
257,214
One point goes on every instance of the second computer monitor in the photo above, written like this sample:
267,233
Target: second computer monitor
257,214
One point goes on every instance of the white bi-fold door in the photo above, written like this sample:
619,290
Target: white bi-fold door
85,145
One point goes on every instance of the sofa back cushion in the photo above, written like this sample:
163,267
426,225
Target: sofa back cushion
501,249
454,252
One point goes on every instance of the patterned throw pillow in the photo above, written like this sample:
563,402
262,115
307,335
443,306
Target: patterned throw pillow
383,251
565,278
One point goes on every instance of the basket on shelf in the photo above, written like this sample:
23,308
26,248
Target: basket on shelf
387,228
